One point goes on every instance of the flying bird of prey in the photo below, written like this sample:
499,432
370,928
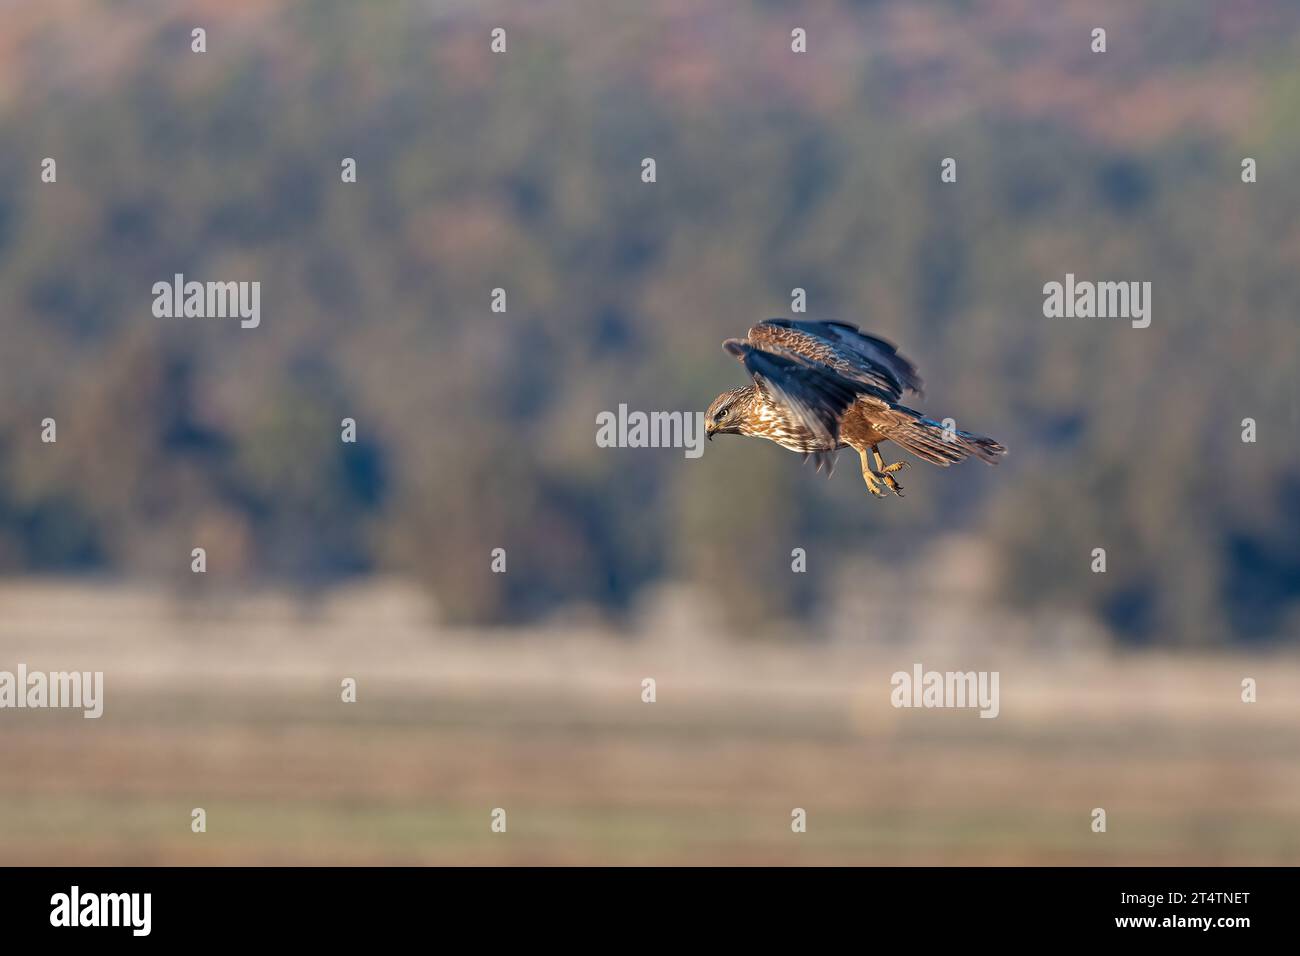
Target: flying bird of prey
822,386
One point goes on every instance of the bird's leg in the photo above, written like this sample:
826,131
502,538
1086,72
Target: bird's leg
886,471
870,476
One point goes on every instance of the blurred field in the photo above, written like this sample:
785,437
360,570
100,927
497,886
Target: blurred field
233,705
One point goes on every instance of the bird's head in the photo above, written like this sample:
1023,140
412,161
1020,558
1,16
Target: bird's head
727,413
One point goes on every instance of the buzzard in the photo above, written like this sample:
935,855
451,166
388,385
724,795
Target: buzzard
822,386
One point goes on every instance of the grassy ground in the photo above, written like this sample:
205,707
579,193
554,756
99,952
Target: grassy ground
249,725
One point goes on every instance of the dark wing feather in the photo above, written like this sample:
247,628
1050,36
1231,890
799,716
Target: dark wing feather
813,394
852,353
822,459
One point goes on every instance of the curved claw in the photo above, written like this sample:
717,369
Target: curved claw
875,479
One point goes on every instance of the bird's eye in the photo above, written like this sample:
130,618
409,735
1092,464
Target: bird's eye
720,415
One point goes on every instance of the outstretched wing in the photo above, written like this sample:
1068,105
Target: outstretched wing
851,353
814,395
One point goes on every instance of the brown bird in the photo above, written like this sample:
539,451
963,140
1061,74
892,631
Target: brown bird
822,386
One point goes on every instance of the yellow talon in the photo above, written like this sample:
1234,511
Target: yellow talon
873,484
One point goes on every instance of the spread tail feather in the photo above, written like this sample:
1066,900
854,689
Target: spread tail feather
930,441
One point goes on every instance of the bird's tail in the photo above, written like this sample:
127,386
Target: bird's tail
934,441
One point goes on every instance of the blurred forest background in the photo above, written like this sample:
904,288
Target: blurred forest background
477,430
775,171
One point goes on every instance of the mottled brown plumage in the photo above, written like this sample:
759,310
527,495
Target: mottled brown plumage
822,386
